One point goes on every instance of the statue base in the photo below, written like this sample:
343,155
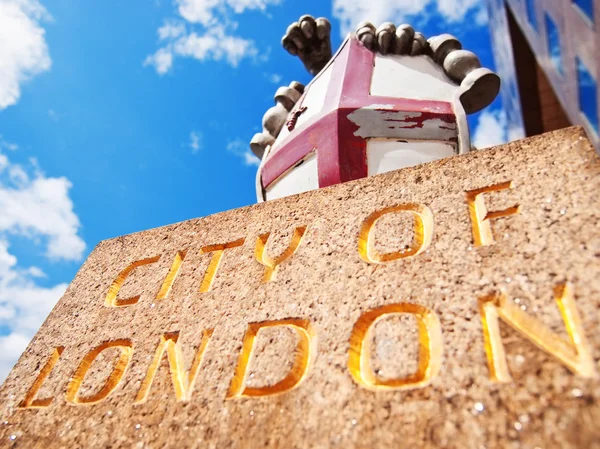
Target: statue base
453,304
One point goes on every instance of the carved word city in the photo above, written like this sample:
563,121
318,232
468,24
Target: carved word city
574,354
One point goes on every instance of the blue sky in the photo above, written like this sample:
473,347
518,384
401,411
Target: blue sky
117,117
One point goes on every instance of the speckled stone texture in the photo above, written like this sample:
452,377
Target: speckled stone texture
555,238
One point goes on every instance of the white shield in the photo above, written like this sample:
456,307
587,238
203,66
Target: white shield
364,114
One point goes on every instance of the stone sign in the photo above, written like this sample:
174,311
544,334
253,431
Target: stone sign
453,304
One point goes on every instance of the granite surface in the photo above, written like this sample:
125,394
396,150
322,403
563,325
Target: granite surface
553,239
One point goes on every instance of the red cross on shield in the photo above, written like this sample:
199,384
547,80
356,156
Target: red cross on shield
363,114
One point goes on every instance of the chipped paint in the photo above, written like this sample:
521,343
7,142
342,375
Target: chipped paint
376,121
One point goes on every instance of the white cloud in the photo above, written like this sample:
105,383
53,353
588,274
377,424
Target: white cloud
482,17
250,158
4,145
351,12
456,10
215,45
491,129
11,347
198,11
19,293
206,12
171,30
23,48
274,78
38,208
162,60
211,34
196,141
24,306
242,150
41,207
240,6
36,272
36,205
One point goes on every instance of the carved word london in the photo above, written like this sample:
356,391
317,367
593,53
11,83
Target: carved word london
574,353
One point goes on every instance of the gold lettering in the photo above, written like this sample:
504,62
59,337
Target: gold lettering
112,381
111,298
271,263
29,401
576,355
430,348
423,232
305,353
173,272
183,385
480,217
215,261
